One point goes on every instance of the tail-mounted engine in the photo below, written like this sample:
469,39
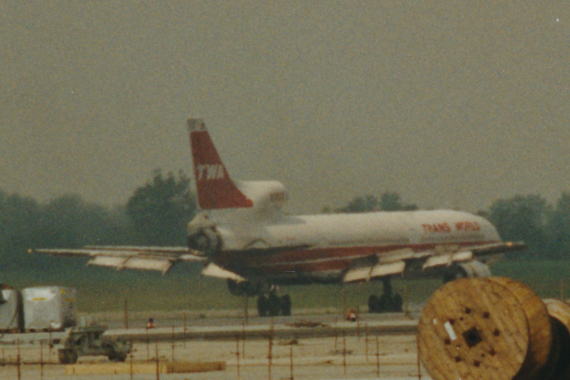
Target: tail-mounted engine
206,240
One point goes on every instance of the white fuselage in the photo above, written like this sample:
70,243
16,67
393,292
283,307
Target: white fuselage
243,230
320,248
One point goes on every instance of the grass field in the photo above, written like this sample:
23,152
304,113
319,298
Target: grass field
102,289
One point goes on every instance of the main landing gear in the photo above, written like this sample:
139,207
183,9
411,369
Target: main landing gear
387,302
273,305
267,305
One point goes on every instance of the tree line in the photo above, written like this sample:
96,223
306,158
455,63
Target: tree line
545,228
157,213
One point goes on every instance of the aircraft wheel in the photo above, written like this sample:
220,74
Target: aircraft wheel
273,305
373,304
286,305
262,306
62,356
397,303
66,356
385,303
116,357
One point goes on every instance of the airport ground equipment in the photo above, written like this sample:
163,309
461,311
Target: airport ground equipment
49,308
89,341
11,318
493,328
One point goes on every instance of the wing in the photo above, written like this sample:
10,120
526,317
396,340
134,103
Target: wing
399,262
130,257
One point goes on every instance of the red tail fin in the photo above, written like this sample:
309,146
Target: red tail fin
216,190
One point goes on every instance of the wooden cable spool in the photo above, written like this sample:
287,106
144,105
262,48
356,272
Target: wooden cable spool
560,312
540,355
473,328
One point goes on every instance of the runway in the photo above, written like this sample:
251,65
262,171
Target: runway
377,347
262,328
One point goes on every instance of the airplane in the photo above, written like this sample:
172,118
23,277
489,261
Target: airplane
242,235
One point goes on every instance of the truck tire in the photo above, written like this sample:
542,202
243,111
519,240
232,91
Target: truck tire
67,356
116,357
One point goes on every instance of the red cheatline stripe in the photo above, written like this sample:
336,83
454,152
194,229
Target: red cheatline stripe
317,259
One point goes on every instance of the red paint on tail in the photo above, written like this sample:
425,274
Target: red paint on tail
216,190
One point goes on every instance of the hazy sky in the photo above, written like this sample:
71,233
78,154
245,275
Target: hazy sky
449,103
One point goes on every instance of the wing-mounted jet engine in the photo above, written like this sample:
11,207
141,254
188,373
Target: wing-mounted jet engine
472,268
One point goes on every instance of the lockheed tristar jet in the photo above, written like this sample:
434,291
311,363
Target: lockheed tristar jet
243,236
